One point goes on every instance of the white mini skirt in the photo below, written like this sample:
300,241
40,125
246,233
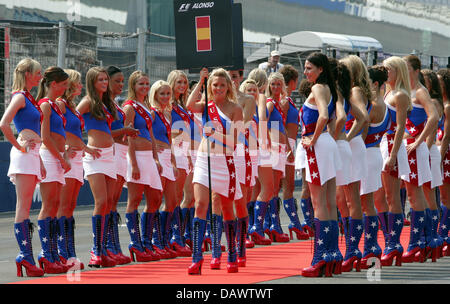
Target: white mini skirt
55,173
323,161
343,176
76,170
120,155
220,178
27,163
105,164
165,160
372,181
358,166
419,164
148,170
402,166
435,164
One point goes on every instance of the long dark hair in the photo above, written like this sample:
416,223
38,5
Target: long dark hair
445,75
342,76
434,87
51,74
326,77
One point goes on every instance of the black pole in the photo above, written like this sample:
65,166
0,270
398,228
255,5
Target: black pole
205,86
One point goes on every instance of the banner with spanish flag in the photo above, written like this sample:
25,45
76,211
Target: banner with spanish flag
204,33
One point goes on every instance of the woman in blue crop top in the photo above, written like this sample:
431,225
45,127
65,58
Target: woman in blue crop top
261,193
290,75
26,168
322,162
360,97
421,123
243,162
142,170
372,192
120,133
222,113
181,137
160,100
279,148
99,112
56,162
395,159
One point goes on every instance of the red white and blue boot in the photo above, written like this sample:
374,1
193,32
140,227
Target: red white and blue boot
353,255
322,262
416,244
137,250
275,230
394,249
334,247
198,233
147,224
23,232
432,239
45,257
371,247
176,242
114,235
294,226
216,237
230,234
308,215
256,231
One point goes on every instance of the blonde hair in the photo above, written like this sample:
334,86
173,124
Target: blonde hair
171,79
132,80
220,72
272,78
153,90
402,81
246,83
359,74
96,104
259,76
19,78
74,78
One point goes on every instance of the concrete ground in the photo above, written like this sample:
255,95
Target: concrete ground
415,273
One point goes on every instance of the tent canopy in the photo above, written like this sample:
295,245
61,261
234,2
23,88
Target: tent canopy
304,41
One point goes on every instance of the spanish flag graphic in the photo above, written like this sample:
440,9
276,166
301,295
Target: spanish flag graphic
203,33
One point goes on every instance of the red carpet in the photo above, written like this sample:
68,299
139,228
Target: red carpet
263,264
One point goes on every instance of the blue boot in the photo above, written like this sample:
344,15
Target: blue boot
256,231
198,233
188,230
176,242
275,231
352,253
394,248
77,264
251,215
322,262
308,215
267,220
45,257
383,220
24,232
431,237
371,247
241,236
165,220
416,244
230,233
444,226
62,239
216,237
294,226
137,250
334,247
